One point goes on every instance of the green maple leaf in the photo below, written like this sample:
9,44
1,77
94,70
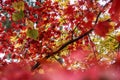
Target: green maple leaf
32,33
17,15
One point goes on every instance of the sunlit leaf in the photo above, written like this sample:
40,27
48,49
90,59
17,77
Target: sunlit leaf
17,45
104,17
29,23
115,10
103,28
32,33
18,6
17,15
106,45
13,38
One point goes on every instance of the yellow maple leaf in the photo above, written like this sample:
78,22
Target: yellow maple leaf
13,38
18,6
17,45
29,23
104,17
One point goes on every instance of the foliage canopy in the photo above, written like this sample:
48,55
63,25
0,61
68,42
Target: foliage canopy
59,40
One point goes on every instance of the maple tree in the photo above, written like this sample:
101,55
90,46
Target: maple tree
59,40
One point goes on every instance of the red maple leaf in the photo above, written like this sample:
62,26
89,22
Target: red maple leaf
69,10
115,10
102,28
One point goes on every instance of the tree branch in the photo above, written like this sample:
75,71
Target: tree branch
69,42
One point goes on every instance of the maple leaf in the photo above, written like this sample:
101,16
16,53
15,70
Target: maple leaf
1,48
17,15
18,6
69,10
13,38
1,27
115,10
102,28
32,33
118,37
29,23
